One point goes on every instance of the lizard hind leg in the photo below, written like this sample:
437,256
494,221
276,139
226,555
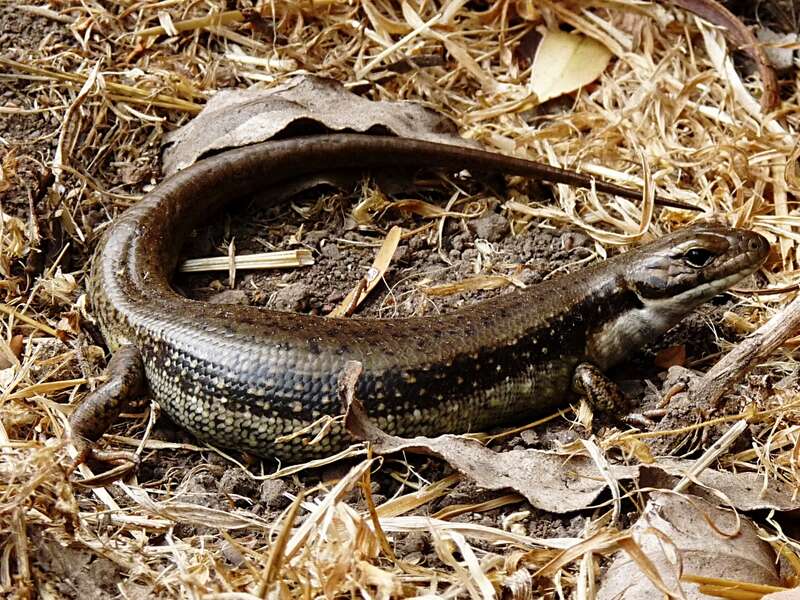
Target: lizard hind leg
101,408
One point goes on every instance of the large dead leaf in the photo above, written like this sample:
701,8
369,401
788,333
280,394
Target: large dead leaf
235,118
566,62
683,534
745,491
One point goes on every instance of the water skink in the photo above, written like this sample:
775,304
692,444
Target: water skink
242,376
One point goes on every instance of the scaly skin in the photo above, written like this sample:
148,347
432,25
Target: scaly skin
240,376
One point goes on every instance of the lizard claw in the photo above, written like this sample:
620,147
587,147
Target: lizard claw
123,462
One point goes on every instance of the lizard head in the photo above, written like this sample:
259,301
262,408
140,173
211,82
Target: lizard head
668,278
690,266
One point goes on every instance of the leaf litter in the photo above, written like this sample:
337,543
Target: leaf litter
92,99
568,479
684,535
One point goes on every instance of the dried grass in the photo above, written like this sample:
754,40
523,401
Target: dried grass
107,80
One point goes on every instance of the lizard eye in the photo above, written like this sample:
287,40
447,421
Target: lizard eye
698,257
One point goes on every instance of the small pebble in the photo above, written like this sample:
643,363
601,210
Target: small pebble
271,493
293,297
491,227
229,297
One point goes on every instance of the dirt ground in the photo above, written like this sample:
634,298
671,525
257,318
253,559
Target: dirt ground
495,242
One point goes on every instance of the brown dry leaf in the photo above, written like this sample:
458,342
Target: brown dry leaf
671,357
235,118
479,282
402,504
735,589
558,483
746,491
373,276
684,534
16,344
8,169
14,350
428,210
566,62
